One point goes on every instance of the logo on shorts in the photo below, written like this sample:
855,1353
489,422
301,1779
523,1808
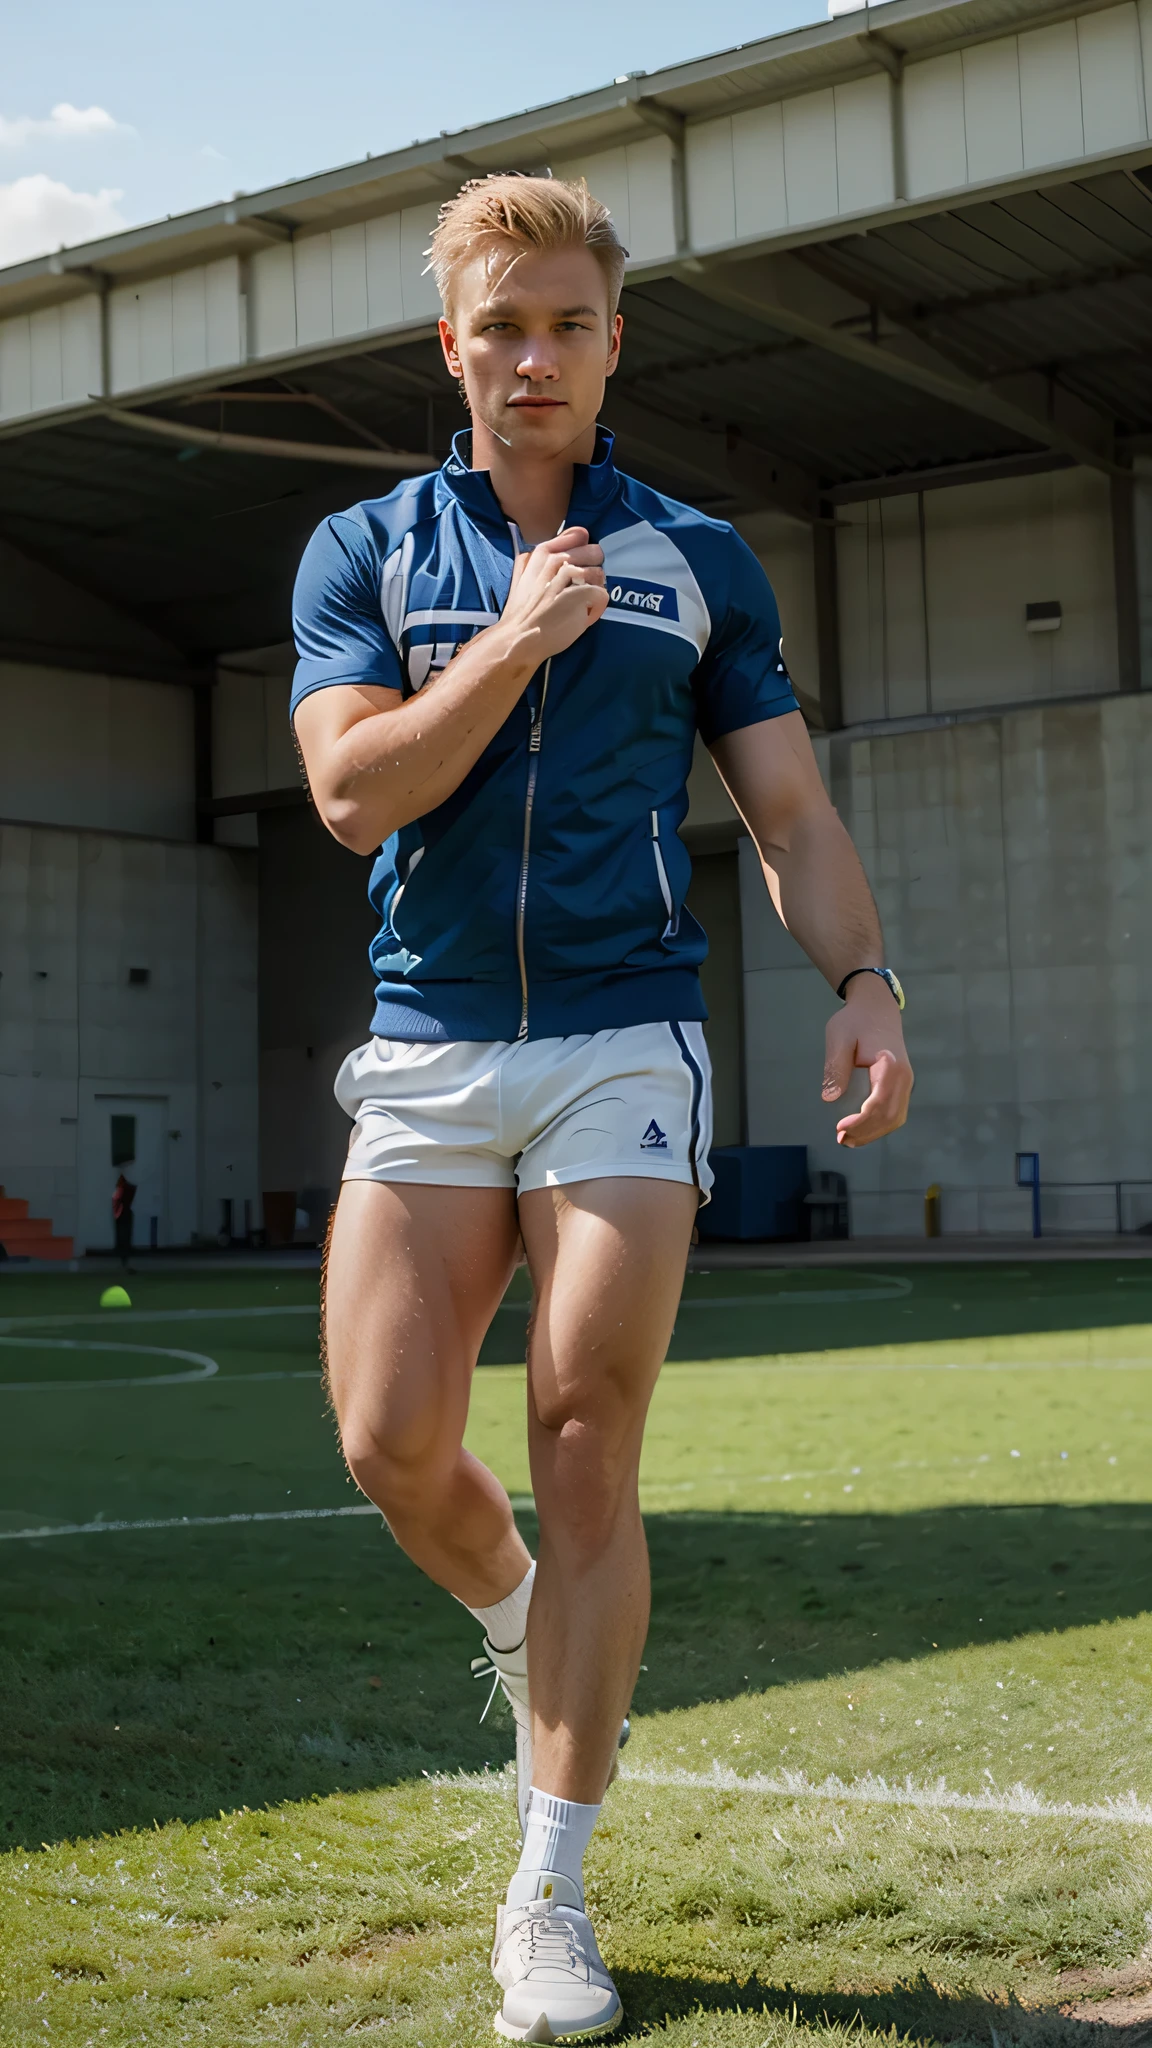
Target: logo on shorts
654,1139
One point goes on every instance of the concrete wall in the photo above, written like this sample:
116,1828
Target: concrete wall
252,746
77,911
784,546
316,998
96,750
1142,519
99,874
1011,860
933,590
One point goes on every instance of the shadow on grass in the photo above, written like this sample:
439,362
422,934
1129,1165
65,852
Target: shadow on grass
155,1677
916,2009
754,1600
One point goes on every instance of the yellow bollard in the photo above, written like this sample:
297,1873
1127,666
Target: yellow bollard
932,1210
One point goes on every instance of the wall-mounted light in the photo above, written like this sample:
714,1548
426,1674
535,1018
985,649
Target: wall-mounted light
139,977
1044,618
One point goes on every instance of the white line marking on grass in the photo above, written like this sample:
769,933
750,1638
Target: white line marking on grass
891,1290
800,1297
158,1315
230,1379
207,1367
183,1522
819,1363
870,1791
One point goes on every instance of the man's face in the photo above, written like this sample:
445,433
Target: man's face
533,342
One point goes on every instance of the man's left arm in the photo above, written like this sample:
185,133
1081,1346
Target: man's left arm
819,888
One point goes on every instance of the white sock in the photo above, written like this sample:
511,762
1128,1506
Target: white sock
505,1623
556,1837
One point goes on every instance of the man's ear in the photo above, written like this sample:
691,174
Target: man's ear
614,345
451,352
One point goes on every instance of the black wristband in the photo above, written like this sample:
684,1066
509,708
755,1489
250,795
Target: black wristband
884,974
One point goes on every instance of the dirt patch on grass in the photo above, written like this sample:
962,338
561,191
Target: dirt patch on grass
1133,2014
1112,1998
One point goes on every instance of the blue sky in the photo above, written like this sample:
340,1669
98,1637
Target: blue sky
119,114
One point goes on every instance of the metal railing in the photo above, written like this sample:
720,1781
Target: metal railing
1086,1208
1089,1208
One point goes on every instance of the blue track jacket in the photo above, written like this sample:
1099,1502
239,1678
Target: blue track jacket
546,895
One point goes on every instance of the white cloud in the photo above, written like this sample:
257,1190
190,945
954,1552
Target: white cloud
65,123
39,214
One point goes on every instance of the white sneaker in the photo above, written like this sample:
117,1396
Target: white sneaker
508,1669
545,1958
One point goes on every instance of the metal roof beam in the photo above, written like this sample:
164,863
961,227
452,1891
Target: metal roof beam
34,566
263,444
287,799
76,625
665,119
741,471
760,289
87,661
258,224
945,476
925,313
875,45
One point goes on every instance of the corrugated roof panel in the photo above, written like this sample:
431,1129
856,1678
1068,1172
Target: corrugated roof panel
1115,233
1023,239
1037,219
1127,196
915,268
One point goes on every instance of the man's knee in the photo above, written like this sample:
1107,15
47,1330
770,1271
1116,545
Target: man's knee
601,1409
405,1478
592,1464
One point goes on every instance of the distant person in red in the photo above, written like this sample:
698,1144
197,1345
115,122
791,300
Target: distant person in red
123,1196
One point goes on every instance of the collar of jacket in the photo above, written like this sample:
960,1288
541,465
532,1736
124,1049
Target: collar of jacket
594,485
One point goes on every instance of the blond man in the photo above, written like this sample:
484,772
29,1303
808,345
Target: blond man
503,669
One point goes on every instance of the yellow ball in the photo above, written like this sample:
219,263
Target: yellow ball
115,1297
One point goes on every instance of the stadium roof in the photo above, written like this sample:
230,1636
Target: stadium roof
892,251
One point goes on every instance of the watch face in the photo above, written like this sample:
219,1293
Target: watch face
894,985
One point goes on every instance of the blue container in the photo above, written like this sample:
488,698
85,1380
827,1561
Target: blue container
759,1192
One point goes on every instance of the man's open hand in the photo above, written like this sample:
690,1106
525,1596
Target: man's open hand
868,1032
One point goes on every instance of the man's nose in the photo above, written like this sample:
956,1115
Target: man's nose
538,364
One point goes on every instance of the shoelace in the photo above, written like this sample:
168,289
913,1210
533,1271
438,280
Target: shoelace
483,1668
553,1940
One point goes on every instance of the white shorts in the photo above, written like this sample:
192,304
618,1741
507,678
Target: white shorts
635,1102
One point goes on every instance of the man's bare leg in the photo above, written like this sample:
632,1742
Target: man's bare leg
607,1259
415,1275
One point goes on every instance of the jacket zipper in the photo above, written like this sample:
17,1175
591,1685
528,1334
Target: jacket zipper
522,891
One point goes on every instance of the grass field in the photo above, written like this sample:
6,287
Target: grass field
890,1767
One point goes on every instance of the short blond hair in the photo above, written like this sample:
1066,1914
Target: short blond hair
531,213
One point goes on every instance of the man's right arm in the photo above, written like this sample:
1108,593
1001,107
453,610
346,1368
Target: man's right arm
376,761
